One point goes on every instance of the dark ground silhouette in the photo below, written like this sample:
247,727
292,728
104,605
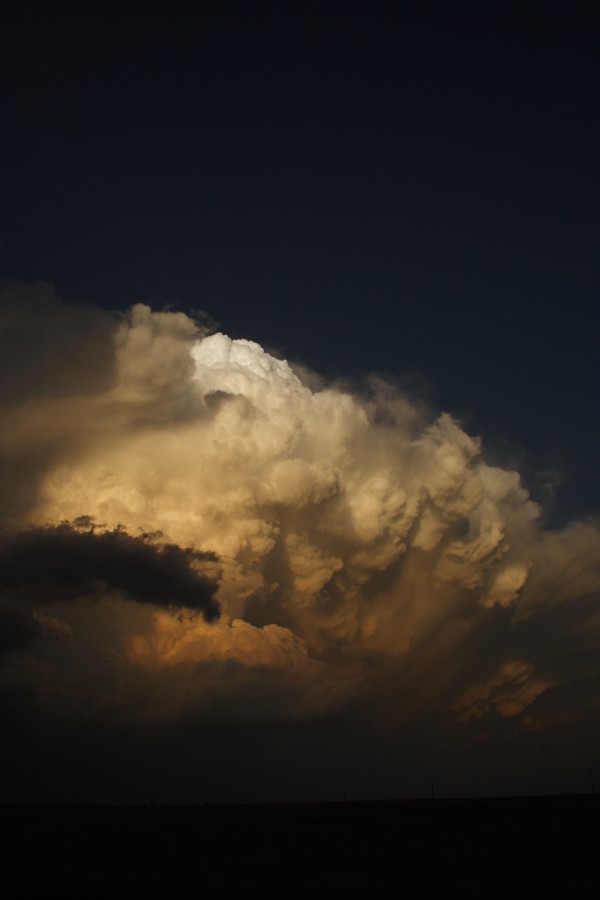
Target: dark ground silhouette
487,848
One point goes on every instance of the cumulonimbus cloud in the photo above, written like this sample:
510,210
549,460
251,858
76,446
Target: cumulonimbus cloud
367,552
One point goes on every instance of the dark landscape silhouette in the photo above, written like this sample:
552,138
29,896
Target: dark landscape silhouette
493,847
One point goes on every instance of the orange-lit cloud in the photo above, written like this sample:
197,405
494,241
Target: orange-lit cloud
366,554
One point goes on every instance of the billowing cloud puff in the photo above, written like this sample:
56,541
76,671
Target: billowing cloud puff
361,553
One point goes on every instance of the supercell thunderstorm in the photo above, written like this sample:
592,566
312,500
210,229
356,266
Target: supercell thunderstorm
316,549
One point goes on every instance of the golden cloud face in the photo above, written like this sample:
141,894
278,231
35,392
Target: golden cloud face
354,548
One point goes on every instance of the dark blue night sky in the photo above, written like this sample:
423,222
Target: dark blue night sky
407,190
